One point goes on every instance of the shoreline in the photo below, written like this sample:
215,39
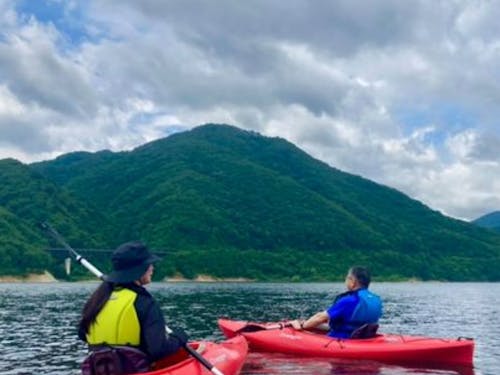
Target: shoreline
206,279
45,277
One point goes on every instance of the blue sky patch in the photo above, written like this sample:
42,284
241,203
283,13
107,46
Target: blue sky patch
446,118
67,17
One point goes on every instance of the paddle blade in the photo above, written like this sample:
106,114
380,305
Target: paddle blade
67,265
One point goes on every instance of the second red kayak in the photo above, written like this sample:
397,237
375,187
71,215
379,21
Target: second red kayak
389,348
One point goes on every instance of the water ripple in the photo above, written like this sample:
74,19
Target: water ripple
38,321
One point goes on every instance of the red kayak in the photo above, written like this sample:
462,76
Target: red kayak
388,348
228,357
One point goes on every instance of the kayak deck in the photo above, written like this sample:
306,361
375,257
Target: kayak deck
389,348
227,356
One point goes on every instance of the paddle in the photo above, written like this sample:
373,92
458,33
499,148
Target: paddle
84,262
101,276
255,327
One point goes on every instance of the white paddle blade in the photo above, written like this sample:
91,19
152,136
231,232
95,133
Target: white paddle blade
67,265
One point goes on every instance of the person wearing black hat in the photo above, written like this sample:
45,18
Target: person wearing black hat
121,322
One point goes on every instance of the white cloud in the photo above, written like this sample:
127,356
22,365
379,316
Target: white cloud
402,93
9,105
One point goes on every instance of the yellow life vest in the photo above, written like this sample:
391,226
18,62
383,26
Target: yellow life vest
117,322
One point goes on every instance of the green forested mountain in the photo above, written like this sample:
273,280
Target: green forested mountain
26,199
19,246
491,221
230,203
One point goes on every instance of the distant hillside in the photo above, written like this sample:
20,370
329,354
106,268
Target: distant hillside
234,203
26,199
491,221
20,250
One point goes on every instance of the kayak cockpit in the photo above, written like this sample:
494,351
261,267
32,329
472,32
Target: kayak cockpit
179,357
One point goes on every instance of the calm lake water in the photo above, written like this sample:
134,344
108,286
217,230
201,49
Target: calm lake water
38,334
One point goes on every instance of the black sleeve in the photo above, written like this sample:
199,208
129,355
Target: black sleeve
154,340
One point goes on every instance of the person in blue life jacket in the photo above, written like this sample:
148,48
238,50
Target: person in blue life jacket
121,322
350,310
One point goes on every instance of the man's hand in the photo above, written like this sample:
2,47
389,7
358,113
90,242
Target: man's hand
297,324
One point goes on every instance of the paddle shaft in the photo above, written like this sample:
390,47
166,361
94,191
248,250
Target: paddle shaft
254,327
84,262
100,275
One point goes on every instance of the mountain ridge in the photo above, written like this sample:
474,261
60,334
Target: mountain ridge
217,195
490,220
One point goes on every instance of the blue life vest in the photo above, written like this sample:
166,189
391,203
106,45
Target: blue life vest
353,309
368,310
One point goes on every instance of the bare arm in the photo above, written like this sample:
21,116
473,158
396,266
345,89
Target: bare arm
314,321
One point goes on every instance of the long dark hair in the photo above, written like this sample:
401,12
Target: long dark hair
94,304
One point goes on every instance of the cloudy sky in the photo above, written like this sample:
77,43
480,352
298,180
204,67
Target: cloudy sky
405,93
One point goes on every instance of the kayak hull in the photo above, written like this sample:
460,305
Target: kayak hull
388,348
227,356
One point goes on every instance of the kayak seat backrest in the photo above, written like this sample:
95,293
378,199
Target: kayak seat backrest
106,361
366,331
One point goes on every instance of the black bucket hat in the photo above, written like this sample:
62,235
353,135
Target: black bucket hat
130,262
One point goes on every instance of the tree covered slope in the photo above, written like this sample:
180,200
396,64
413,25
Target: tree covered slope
27,199
491,221
231,203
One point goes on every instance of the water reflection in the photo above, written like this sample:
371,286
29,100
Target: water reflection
265,363
38,321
